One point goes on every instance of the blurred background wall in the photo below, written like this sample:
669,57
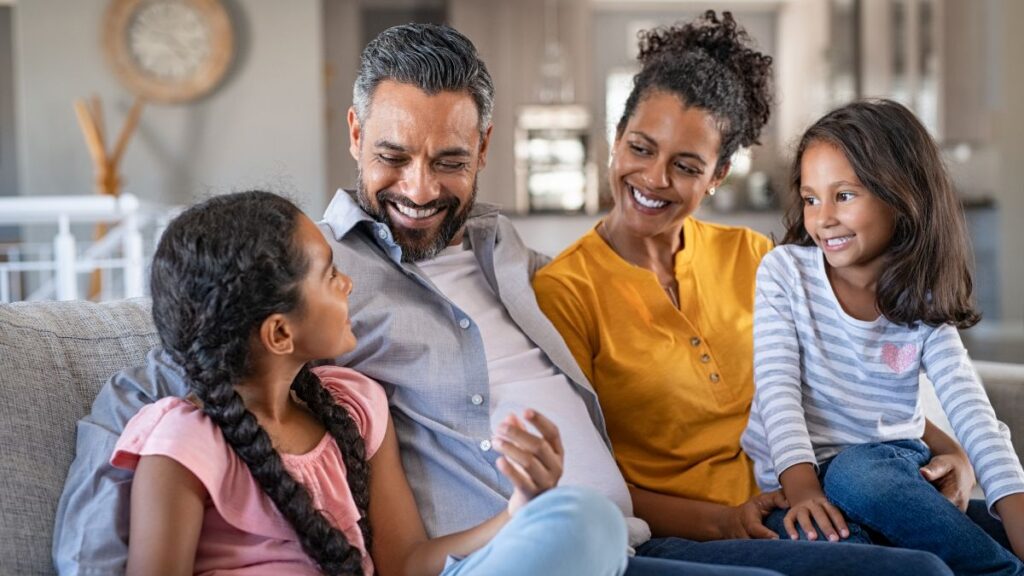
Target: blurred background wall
262,127
278,118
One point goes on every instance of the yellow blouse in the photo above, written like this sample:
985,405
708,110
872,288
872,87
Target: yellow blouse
675,385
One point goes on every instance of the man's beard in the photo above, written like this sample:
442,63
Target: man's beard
418,244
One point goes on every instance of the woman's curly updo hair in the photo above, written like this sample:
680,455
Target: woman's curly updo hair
220,269
708,64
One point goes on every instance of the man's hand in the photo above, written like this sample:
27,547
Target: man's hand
747,519
953,476
533,463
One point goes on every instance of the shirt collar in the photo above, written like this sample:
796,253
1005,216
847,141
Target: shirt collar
344,213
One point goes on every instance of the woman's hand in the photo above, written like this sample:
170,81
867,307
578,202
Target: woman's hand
952,475
949,470
533,463
747,519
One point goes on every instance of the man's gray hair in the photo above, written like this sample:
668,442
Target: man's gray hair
433,58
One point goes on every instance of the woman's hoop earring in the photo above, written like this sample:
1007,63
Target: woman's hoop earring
711,191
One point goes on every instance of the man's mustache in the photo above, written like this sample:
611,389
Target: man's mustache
388,196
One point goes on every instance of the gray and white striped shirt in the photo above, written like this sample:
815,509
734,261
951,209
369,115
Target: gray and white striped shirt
825,380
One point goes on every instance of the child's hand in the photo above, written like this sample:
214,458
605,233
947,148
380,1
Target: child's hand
533,463
821,511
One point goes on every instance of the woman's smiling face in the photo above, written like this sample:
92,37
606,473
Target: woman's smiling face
663,163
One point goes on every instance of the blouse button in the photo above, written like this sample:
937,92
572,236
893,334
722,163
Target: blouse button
695,341
464,323
485,445
477,399
705,358
715,377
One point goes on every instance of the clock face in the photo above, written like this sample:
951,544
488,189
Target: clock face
168,50
168,40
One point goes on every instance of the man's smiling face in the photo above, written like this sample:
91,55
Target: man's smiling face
418,157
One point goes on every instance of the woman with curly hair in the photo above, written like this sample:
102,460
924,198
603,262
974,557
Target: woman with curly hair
657,309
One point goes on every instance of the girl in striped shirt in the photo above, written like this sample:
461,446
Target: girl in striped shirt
868,289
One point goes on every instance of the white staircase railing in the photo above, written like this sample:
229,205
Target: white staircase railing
58,273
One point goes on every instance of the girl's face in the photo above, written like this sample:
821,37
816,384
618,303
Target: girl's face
663,164
323,329
850,224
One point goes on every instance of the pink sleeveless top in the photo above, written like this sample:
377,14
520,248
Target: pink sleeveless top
243,532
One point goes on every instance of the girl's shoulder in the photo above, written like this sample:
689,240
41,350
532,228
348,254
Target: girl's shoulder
177,429
363,398
792,256
172,427
792,264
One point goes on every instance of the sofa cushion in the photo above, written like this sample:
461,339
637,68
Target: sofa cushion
54,357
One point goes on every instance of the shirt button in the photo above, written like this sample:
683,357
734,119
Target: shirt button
382,234
715,377
695,341
477,399
464,323
705,358
485,445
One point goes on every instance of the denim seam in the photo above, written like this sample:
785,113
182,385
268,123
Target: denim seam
903,453
853,517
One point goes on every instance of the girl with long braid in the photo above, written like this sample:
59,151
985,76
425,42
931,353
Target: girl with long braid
268,466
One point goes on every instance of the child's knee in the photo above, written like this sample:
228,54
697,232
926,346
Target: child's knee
588,509
586,521
869,474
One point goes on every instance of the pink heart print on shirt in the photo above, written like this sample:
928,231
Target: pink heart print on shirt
899,358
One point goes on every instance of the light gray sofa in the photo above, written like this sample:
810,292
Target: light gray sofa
55,356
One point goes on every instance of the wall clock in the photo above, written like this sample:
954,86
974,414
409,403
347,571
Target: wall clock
168,50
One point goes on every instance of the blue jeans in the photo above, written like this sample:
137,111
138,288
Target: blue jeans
570,532
567,530
668,566
880,490
776,521
795,558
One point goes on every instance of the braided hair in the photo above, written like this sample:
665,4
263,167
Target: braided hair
221,268
708,64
